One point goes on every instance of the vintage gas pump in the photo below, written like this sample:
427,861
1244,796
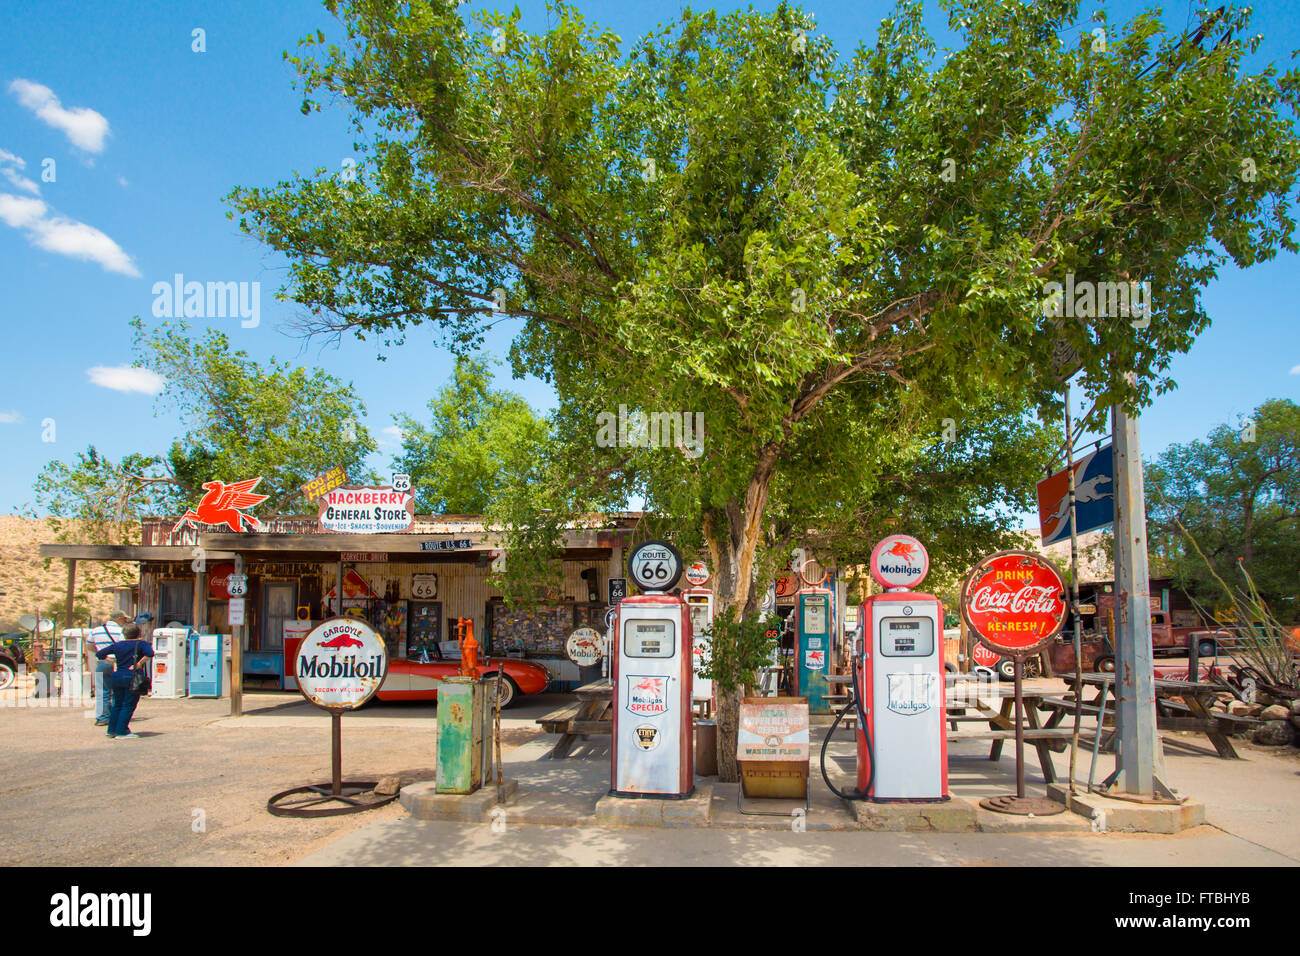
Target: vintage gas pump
899,681
813,635
464,756
699,604
652,677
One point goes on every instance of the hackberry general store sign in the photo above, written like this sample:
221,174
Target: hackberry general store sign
341,664
366,510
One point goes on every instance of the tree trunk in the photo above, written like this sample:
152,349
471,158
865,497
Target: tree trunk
733,536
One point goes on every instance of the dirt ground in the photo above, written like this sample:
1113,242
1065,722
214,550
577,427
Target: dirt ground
193,789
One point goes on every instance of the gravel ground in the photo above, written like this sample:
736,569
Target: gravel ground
193,789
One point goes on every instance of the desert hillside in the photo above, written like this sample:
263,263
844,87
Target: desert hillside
27,584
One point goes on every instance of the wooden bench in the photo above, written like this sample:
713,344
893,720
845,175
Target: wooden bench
557,721
590,714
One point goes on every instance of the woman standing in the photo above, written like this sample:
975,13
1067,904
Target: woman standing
131,655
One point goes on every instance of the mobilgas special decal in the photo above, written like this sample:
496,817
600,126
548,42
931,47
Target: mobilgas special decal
647,695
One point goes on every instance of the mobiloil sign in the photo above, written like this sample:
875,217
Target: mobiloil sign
341,663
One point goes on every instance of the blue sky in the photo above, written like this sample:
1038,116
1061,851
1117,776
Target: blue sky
146,137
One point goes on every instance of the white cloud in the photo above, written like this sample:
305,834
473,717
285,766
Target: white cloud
394,435
11,167
84,128
19,211
125,378
10,418
62,235
1295,369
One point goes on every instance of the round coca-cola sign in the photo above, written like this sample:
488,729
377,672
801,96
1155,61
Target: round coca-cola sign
1014,601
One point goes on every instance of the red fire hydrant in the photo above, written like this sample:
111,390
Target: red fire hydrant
468,648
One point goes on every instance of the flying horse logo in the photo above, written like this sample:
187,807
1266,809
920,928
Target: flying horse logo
222,504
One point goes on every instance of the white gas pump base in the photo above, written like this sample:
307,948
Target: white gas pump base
954,815
641,811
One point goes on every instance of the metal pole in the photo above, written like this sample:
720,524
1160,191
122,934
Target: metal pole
336,751
1020,728
1074,589
1135,698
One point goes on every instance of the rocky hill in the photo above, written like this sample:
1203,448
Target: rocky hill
28,584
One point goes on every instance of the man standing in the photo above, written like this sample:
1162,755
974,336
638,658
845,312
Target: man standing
110,632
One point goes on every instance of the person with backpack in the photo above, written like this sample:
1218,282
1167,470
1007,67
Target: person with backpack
129,679
110,632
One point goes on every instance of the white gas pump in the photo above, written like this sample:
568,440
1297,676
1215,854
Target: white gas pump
652,670
899,682
699,602
170,662
75,680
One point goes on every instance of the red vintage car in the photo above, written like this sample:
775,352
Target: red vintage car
418,678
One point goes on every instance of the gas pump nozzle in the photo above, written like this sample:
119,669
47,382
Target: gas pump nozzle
468,648
855,693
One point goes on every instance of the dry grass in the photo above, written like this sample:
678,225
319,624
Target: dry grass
28,584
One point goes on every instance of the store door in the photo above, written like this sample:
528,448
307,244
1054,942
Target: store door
279,602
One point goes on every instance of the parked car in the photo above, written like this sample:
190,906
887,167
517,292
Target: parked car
418,678
11,655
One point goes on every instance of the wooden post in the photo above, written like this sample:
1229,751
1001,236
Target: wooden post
72,587
1135,697
237,652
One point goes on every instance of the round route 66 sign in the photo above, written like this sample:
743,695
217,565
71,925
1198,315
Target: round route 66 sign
654,565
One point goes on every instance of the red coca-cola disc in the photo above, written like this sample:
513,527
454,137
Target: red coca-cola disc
1014,602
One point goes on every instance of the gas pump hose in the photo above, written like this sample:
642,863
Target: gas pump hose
866,736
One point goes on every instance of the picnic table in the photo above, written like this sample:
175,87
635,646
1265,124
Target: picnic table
592,713
965,692
1191,711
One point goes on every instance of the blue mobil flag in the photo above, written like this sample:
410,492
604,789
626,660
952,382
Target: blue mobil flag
1094,497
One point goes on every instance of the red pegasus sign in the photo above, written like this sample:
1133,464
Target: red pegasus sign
222,504
1014,602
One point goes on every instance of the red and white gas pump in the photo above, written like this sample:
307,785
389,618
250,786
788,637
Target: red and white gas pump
902,743
699,601
652,663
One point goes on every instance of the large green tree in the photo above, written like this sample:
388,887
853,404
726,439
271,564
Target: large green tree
476,441
241,418
1237,493
822,258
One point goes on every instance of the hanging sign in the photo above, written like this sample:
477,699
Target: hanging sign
787,584
617,588
1094,497
222,504
236,612
218,578
698,574
424,587
336,477
1014,601
455,544
368,510
584,647
237,585
654,565
899,561
341,664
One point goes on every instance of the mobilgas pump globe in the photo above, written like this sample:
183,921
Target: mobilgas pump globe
902,745
651,674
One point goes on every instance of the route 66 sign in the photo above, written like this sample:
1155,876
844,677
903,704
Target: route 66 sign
654,565
401,482
424,587
237,585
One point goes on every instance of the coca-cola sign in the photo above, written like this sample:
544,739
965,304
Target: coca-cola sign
1013,601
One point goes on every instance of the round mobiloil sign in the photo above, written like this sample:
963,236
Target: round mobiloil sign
341,664
698,574
585,646
1014,602
654,565
899,561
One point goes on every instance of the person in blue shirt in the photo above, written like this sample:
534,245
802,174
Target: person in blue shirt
130,654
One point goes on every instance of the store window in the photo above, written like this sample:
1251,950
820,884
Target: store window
175,603
279,604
